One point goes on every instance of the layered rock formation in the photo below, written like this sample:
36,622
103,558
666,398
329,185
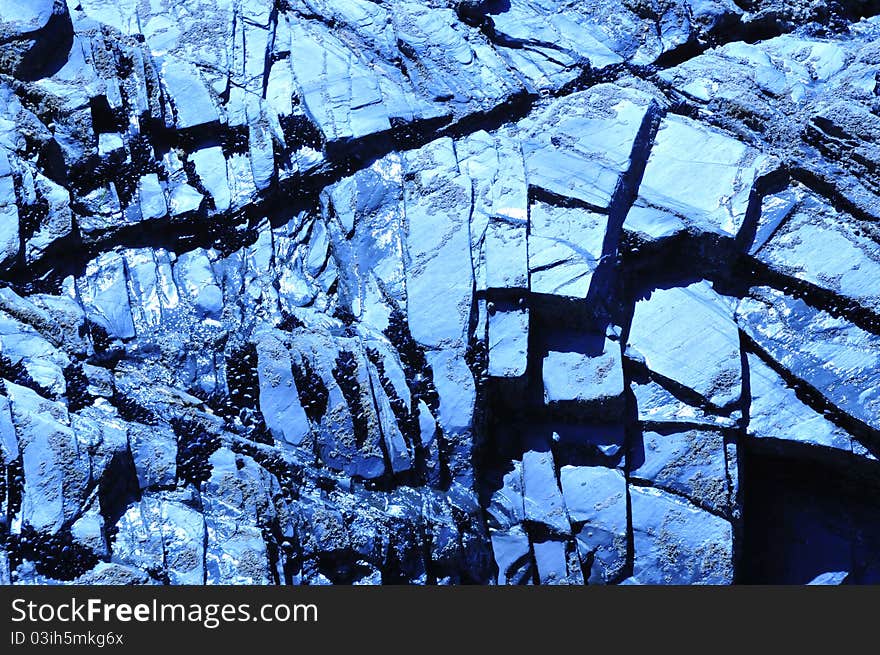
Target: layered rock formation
377,291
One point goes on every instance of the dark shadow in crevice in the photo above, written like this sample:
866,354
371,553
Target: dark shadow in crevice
804,517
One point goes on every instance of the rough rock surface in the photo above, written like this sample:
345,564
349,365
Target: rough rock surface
380,291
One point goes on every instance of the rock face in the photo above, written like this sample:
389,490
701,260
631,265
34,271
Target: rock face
356,292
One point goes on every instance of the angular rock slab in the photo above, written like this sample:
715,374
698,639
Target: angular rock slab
508,335
104,295
677,543
556,563
279,398
580,147
692,463
512,556
657,405
565,247
584,380
154,453
832,355
688,335
595,497
776,413
56,469
542,498
439,274
826,248
698,180
506,507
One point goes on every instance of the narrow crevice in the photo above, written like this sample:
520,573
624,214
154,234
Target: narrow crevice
815,296
828,190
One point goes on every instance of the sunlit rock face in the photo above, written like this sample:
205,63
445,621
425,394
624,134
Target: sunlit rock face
446,292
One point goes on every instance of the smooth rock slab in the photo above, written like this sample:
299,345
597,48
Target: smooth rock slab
556,566
777,413
279,398
23,17
688,335
691,463
677,543
583,379
657,404
595,497
152,197
193,105
439,276
565,246
580,146
56,470
830,354
508,342
506,505
104,295
9,240
826,248
183,539
506,254
154,452
512,556
697,180
542,498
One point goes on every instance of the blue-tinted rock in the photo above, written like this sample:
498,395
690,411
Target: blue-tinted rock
105,297
192,103
506,508
588,380
336,291
565,247
706,192
152,198
32,34
596,501
154,453
830,354
542,499
688,335
830,578
581,145
508,342
56,471
236,495
183,542
138,541
676,543
88,531
210,166
777,413
58,221
691,463
657,404
279,398
195,277
826,248
499,215
438,281
23,345
554,564
512,556
9,240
